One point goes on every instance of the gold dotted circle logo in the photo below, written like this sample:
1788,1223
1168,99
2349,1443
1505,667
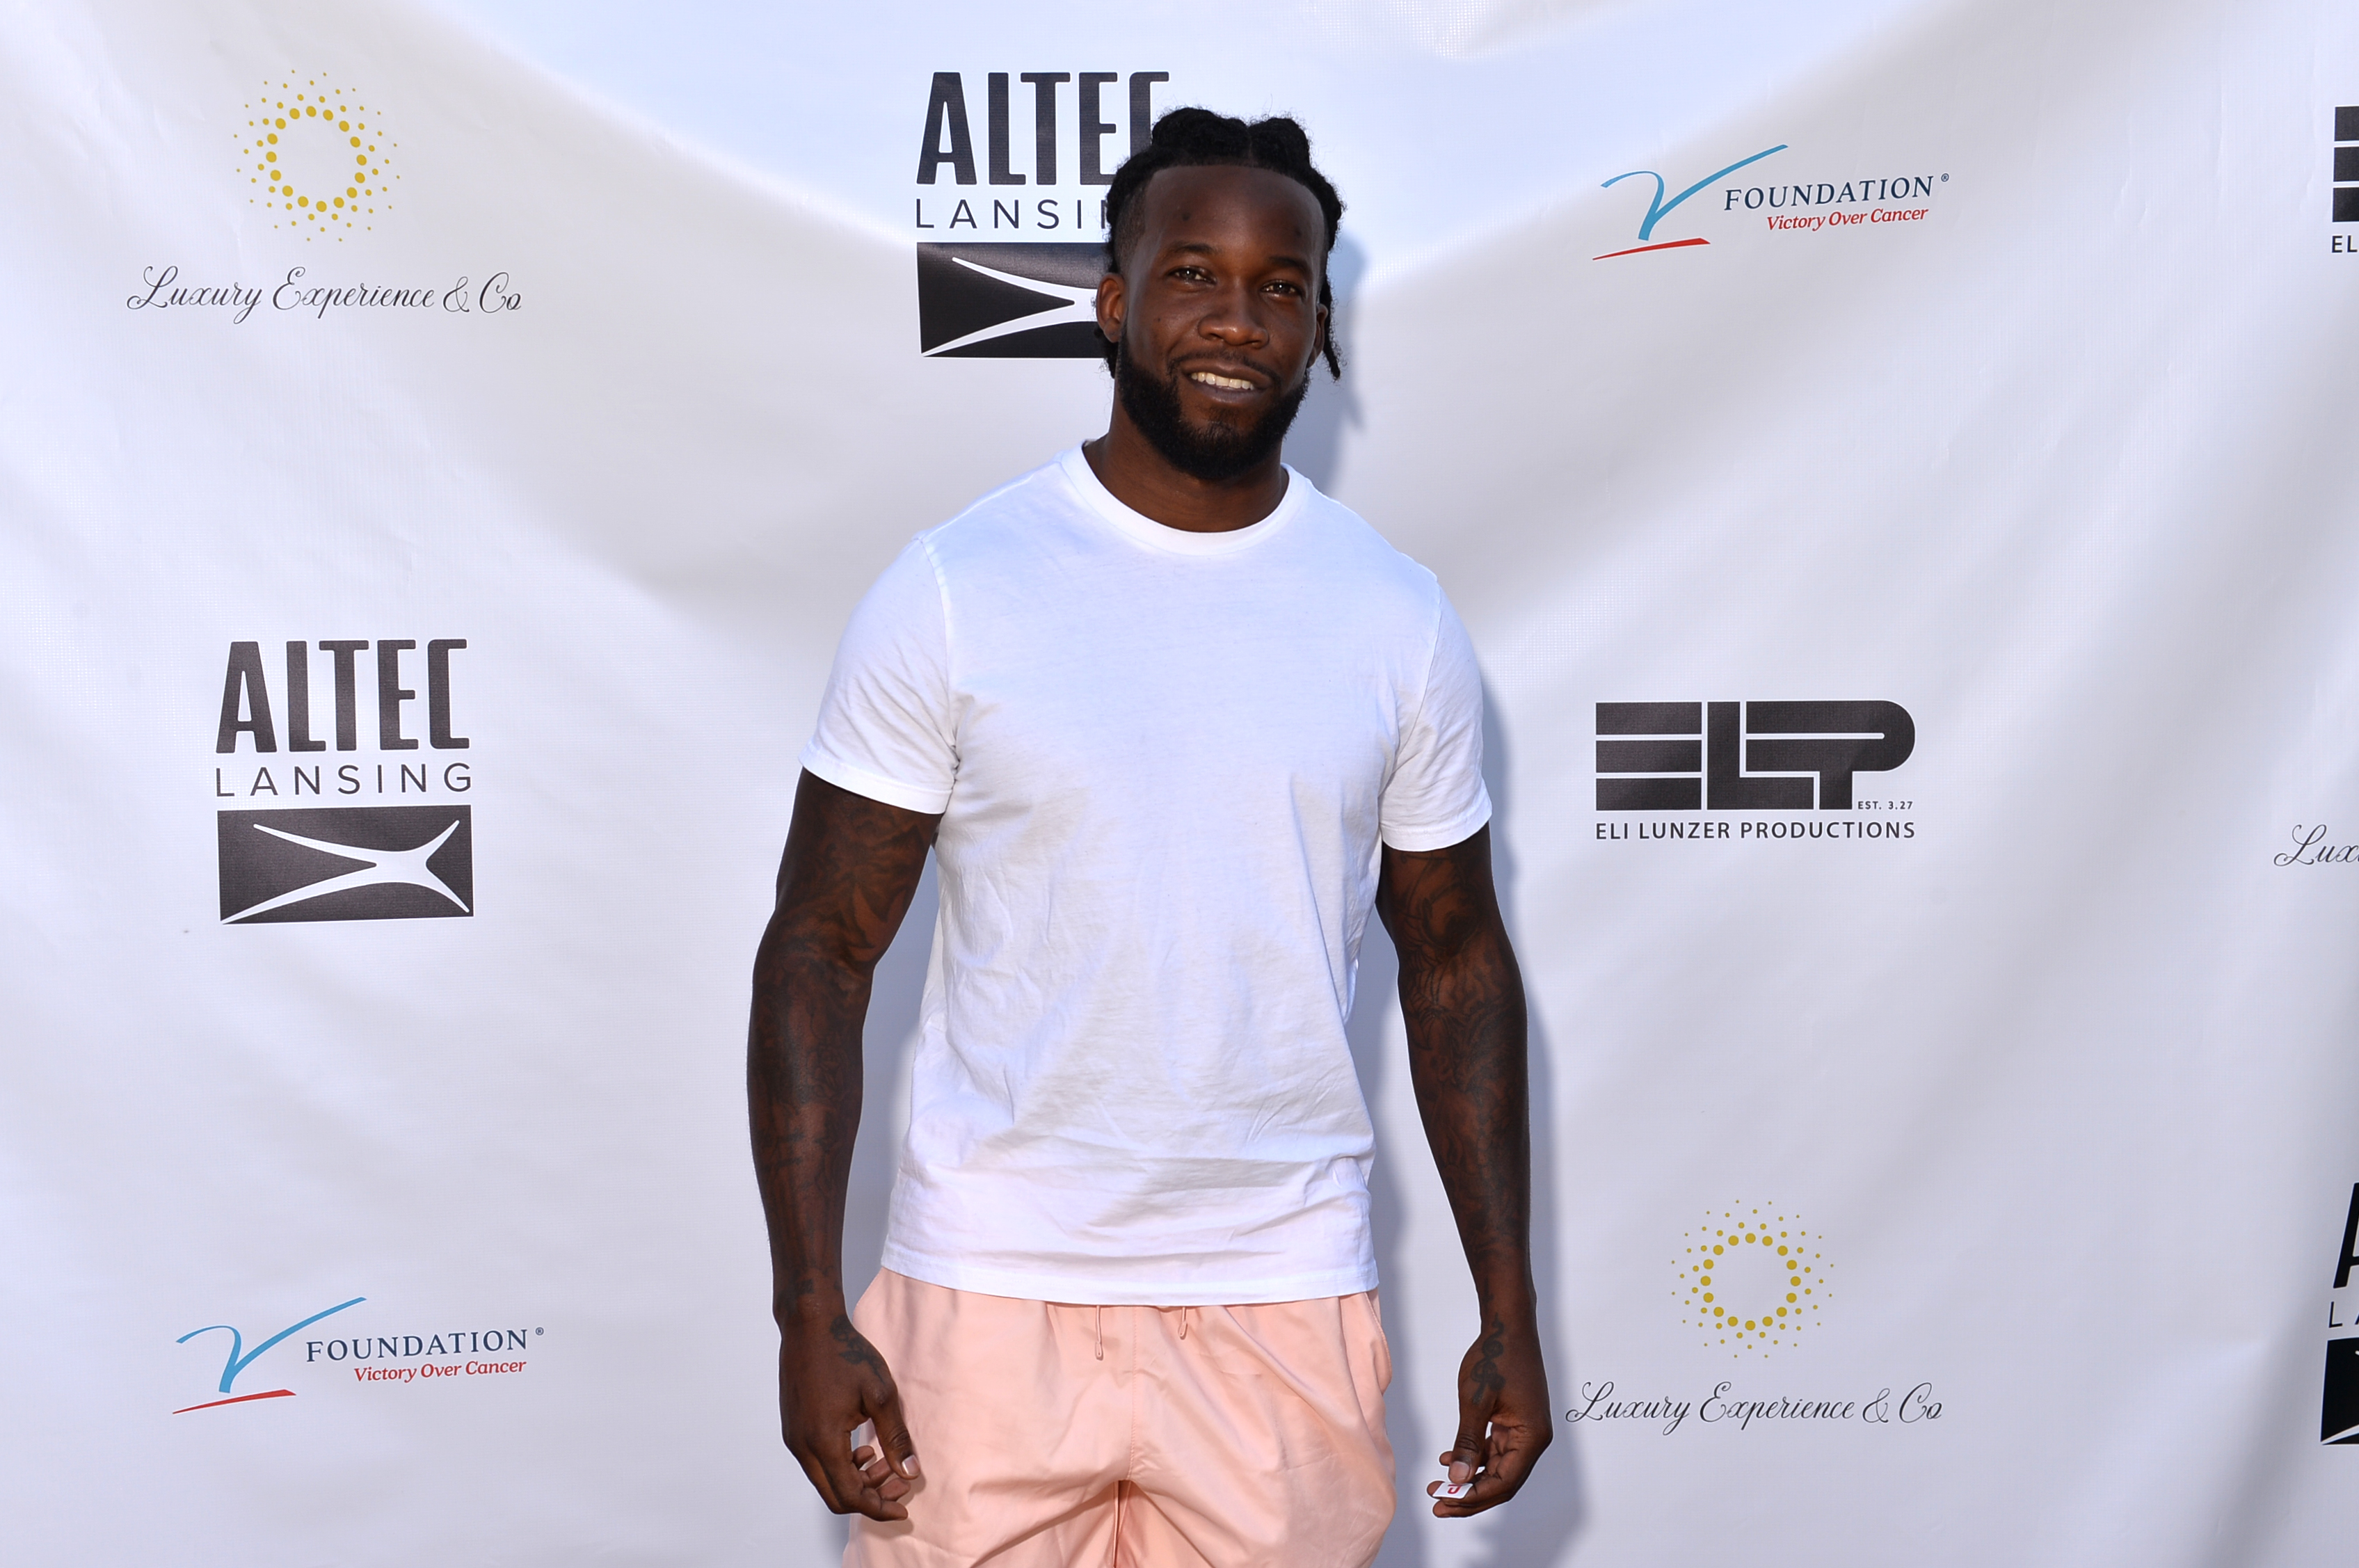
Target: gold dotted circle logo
1752,1279
320,159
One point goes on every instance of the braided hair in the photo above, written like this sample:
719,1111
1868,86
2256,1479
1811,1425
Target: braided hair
1193,137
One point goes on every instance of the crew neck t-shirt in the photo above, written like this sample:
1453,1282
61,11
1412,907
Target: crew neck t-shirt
1165,762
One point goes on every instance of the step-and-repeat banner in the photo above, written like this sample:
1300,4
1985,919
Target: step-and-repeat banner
1895,458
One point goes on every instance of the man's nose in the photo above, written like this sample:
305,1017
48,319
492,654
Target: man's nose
1233,320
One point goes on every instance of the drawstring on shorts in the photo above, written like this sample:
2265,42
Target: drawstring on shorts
1097,1323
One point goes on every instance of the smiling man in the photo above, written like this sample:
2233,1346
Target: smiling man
1173,725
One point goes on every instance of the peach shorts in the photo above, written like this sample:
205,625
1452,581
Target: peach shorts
1057,1436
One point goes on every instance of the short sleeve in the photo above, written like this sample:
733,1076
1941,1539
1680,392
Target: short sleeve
1435,797
885,726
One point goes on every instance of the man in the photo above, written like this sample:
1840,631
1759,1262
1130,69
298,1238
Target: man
1172,723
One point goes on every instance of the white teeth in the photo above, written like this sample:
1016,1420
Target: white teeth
1226,383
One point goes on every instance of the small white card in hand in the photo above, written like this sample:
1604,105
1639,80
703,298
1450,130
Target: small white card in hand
1453,1490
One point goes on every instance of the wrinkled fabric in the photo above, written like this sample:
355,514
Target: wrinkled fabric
1052,1435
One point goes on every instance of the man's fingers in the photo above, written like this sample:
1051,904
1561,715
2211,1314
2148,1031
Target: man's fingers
1511,1459
852,1480
1508,1454
840,1416
835,1491
1485,1492
893,1437
1464,1461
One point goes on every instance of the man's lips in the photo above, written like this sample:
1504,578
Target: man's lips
1228,380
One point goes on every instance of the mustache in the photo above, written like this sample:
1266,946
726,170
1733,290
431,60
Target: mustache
1213,452
1240,366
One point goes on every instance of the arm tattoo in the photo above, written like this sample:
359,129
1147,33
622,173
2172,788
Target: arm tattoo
1462,1000
850,870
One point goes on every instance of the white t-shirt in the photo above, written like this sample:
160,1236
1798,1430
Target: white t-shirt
1164,762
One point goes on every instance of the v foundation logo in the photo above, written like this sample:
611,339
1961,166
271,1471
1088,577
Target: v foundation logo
436,1355
240,1358
1659,208
1830,201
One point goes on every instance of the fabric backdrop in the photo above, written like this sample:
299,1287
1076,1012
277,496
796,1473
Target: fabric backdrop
1894,457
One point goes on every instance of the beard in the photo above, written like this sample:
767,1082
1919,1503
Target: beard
1214,453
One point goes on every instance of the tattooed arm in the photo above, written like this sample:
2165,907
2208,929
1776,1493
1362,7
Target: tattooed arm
851,868
1462,1000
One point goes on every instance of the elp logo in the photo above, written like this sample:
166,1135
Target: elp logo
1009,301
1746,756
239,1358
2346,164
1658,209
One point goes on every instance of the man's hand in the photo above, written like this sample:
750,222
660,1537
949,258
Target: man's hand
831,1381
1503,1424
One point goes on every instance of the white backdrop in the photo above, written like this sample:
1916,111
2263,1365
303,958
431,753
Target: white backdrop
2040,1052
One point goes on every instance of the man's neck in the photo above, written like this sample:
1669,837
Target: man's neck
1143,479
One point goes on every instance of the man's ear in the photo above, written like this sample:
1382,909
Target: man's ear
1110,304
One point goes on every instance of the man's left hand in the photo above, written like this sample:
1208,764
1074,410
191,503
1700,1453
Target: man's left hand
1503,1424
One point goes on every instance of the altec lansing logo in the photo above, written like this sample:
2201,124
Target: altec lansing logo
399,1358
981,298
343,862
1750,757
1009,301
1808,206
2338,1415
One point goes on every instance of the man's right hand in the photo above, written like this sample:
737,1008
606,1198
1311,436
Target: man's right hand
830,1380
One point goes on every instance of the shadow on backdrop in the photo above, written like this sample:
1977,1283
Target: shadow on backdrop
1540,1527
1377,1060
1315,446
889,1045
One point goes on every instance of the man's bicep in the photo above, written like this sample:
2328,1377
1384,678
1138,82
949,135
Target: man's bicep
1433,901
851,868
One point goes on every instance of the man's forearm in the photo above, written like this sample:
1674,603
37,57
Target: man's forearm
1466,1035
850,869
803,1089
1462,1000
